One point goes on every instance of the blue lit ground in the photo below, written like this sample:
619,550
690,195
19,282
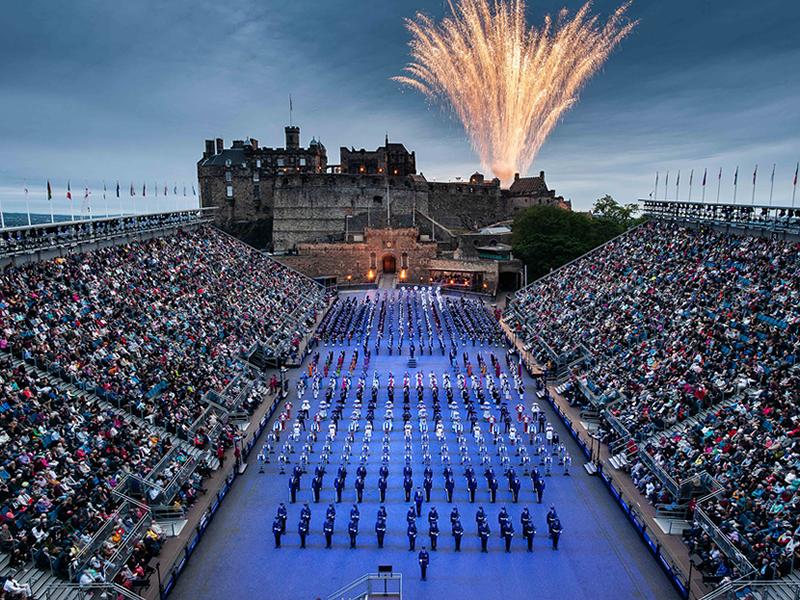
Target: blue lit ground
600,555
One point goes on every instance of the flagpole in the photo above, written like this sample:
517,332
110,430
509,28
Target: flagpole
691,181
794,186
755,173
50,200
655,193
735,183
666,185
105,198
27,204
705,174
719,183
2,214
678,186
772,184
71,203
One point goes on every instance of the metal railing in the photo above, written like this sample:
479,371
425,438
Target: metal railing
128,509
28,239
723,542
90,591
774,218
665,478
756,590
371,585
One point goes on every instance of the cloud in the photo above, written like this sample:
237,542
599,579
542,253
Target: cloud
130,91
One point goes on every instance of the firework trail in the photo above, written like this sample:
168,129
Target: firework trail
507,83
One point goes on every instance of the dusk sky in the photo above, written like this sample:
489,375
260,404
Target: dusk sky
95,91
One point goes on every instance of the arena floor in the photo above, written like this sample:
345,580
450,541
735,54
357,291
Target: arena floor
600,555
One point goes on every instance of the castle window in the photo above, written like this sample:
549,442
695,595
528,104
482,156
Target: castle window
373,261
229,191
404,260
228,176
258,163
256,176
302,162
281,162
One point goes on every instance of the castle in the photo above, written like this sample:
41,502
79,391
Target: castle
291,200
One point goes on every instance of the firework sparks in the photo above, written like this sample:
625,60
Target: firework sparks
507,83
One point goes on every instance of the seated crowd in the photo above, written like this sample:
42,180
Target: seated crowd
151,327
60,459
155,325
677,322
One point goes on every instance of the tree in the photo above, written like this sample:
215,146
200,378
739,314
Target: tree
606,208
547,237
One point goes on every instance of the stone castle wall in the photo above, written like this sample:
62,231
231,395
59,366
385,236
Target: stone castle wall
363,261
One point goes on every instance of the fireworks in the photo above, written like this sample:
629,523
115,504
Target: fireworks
508,84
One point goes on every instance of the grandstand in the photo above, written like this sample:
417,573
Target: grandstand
143,358
676,346
126,382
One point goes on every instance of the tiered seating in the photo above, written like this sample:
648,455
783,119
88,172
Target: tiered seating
61,460
156,324
154,328
676,321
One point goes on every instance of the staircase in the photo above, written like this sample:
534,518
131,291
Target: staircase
387,281
620,461
38,579
372,585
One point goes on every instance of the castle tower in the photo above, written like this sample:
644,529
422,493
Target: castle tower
292,137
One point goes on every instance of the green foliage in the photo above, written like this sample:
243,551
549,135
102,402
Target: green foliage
608,209
546,237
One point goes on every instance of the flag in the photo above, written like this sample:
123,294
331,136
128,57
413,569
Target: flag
705,172
165,189
691,177
117,189
184,190
755,172
69,191
175,190
772,177
50,190
133,192
795,174
104,190
719,177
195,193
26,188
736,176
86,193
144,190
